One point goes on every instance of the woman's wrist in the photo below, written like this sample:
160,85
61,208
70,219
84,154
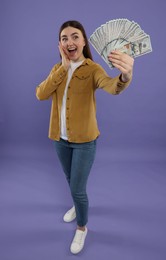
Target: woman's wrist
124,78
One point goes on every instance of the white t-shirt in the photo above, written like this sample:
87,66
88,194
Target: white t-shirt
73,66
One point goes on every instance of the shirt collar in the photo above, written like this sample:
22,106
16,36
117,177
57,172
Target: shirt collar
87,61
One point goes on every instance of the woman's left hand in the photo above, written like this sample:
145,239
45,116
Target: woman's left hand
123,62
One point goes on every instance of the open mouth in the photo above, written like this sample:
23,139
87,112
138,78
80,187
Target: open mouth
72,50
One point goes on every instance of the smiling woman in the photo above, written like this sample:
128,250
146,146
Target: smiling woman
72,32
73,125
72,43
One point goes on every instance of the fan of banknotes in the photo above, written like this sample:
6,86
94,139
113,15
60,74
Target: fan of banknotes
122,34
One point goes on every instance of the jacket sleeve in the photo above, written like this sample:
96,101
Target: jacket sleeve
45,89
111,85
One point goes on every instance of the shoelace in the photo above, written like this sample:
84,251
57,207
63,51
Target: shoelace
78,237
71,214
71,211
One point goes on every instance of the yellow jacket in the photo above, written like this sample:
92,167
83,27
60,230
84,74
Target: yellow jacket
81,120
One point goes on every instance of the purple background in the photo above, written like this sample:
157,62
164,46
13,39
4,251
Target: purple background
127,184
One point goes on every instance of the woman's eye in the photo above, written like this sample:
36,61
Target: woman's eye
75,37
64,39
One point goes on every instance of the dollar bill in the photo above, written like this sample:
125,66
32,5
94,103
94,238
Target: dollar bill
122,34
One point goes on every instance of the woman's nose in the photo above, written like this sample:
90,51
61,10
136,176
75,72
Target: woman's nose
70,42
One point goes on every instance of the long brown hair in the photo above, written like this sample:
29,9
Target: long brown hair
78,25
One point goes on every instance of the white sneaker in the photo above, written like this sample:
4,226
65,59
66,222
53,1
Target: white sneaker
70,215
78,241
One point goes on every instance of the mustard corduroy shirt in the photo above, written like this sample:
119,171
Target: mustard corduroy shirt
81,119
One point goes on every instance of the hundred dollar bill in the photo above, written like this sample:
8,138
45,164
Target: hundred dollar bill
120,34
142,46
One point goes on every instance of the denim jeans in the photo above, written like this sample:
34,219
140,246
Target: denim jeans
77,160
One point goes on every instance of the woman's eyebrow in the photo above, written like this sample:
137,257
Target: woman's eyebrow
74,33
64,35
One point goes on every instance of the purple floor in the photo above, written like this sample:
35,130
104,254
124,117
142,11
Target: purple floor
127,216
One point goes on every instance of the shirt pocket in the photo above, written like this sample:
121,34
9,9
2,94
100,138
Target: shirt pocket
82,83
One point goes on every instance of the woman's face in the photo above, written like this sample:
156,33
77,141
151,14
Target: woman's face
73,43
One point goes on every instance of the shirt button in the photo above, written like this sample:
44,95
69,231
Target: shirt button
68,98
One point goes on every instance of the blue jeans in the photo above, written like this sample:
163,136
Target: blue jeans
77,160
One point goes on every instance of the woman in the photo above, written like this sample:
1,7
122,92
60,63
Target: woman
73,126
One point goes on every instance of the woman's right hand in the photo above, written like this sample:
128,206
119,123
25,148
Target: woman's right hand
65,58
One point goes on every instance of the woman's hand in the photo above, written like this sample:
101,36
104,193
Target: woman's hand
65,59
123,62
